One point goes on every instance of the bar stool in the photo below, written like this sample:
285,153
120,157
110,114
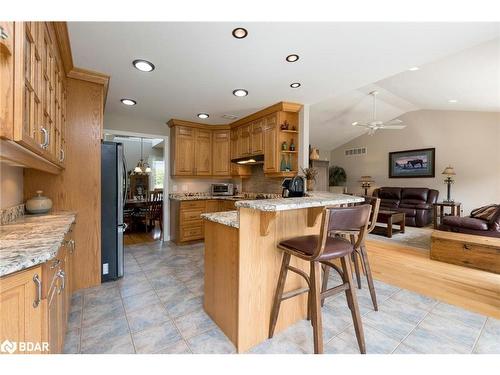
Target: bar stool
360,251
323,249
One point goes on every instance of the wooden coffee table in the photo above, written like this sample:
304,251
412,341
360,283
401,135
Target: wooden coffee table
390,218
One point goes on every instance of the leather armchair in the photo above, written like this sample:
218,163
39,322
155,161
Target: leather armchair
470,225
416,203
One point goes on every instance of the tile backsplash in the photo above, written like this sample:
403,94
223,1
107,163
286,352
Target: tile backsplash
258,182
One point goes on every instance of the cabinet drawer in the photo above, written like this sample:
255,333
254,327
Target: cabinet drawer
466,254
190,233
191,215
189,205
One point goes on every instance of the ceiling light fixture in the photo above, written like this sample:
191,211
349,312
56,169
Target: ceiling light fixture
143,65
292,58
240,92
240,33
452,101
295,85
128,101
203,115
414,69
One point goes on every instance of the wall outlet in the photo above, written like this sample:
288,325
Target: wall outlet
184,188
174,188
105,268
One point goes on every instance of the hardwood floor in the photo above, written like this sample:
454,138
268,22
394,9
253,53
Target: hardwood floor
134,238
412,269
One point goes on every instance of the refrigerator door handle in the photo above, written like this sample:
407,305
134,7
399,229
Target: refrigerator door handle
125,177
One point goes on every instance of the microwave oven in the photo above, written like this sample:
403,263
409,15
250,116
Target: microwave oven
221,189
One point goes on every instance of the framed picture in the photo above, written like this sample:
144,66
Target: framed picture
412,163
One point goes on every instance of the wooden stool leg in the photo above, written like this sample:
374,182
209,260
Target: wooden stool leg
316,307
354,259
279,293
324,286
353,304
369,278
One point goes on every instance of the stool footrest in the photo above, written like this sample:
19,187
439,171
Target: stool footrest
294,293
335,290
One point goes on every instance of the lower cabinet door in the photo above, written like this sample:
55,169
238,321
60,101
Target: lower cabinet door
21,312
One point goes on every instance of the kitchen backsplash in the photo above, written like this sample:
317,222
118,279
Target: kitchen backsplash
259,182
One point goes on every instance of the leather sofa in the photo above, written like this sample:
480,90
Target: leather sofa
416,203
471,225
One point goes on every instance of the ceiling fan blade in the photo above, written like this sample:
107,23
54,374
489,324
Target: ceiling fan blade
396,121
392,127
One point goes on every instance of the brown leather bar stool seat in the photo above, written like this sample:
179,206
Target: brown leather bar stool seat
335,247
321,250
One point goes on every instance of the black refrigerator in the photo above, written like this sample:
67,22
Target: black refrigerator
113,195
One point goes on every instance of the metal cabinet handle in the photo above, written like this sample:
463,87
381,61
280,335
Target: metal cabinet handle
3,34
55,264
61,155
62,275
72,244
45,143
467,247
38,284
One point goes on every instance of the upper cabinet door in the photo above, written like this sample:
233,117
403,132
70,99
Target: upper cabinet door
203,152
7,80
245,148
270,137
257,139
234,144
183,162
221,146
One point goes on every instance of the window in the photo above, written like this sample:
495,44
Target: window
158,173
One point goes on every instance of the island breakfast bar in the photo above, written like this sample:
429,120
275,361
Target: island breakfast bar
242,263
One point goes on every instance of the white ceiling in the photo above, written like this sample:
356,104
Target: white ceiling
199,64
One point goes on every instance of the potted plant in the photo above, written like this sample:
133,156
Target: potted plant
336,177
310,175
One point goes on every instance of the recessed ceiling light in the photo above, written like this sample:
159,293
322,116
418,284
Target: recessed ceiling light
295,85
203,115
413,68
240,92
292,58
452,101
128,101
240,33
143,65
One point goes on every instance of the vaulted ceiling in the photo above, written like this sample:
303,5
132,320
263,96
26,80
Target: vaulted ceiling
199,64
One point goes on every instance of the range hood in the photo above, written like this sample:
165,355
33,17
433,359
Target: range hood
249,160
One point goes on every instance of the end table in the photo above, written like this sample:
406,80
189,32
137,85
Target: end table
439,211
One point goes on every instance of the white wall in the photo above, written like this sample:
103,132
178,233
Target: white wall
469,141
11,186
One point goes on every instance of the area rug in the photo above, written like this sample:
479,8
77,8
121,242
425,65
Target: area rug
419,238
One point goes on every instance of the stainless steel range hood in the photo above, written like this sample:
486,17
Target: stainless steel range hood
249,160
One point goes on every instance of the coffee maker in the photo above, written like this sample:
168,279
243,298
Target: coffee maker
293,187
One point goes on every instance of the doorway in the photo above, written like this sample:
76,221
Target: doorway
146,206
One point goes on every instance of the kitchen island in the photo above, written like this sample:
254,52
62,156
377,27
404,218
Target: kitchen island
242,263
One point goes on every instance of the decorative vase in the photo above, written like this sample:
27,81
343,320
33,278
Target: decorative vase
310,185
283,164
314,154
38,204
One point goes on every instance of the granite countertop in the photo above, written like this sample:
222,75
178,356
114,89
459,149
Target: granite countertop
314,199
229,218
32,240
208,196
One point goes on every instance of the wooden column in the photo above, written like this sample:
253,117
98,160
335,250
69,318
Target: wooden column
78,187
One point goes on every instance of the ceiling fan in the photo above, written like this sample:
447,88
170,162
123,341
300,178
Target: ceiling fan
375,124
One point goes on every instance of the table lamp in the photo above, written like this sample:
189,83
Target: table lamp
448,172
366,183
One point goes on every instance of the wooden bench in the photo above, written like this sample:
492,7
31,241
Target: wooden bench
467,250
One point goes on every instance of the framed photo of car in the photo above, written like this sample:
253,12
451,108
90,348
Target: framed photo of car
412,163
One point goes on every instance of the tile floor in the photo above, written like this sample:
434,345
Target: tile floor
157,308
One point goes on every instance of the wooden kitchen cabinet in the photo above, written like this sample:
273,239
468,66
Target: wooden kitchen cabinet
270,141
257,139
183,145
21,308
244,139
32,104
203,152
221,153
234,152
